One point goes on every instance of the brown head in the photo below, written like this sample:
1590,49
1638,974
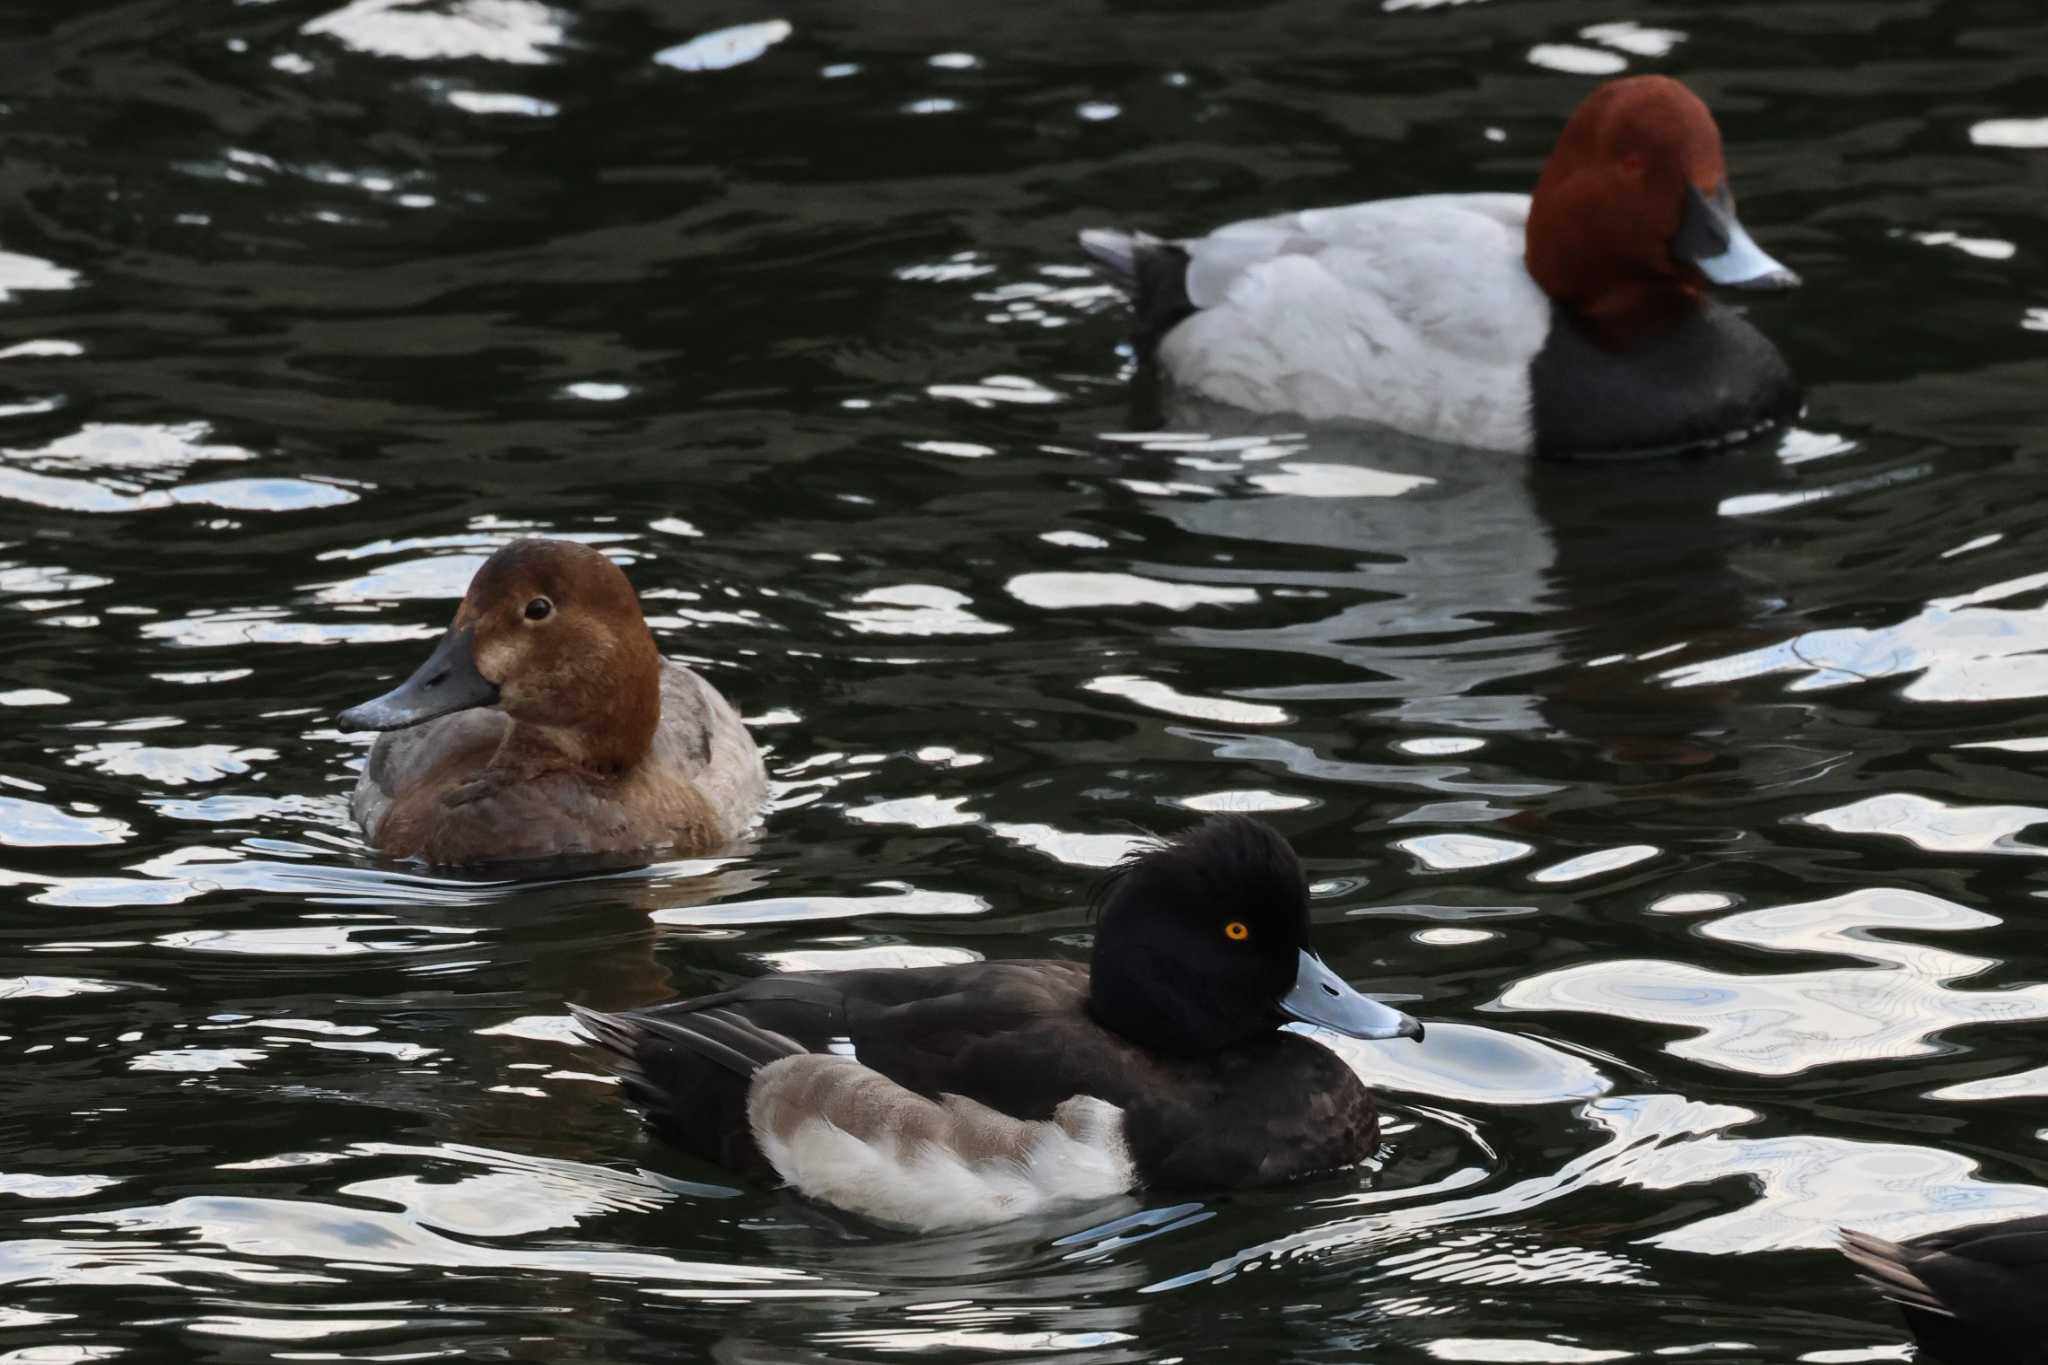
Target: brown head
550,632
1633,218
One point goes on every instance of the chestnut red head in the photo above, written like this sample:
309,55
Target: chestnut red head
550,632
1632,217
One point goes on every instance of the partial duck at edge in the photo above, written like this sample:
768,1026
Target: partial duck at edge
1973,1296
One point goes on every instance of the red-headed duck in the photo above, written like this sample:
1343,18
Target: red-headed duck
957,1096
1571,322
546,723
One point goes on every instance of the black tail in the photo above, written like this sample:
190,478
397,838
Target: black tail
1888,1267
1153,272
688,1074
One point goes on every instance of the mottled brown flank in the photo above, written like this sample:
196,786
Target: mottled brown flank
1610,199
598,745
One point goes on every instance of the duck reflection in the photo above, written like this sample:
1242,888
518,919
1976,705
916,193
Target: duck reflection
1415,589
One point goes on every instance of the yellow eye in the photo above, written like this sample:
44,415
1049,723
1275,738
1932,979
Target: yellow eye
1236,931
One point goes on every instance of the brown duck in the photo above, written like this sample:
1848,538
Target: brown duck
546,724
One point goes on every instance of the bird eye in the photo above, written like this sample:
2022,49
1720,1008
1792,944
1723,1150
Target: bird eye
1237,931
538,609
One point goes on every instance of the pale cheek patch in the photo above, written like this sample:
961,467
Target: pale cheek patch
853,1138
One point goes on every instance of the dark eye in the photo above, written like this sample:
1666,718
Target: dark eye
538,609
1237,931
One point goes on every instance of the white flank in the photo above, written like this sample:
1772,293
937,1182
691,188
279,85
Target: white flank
1414,313
851,1137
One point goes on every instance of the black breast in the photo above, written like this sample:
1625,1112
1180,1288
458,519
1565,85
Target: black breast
1275,1111
1710,380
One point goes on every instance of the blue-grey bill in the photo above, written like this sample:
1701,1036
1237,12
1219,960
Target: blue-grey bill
1745,265
1323,998
446,683
1714,240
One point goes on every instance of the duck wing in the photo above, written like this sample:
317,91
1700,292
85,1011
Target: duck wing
920,1098
1013,1035
423,759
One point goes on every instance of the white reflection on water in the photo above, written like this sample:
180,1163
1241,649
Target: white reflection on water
1800,1191
110,467
1057,591
725,47
1459,852
1787,1023
1307,479
1935,825
1963,649
312,940
53,987
518,31
23,1185
1469,1064
129,446
271,626
897,900
18,272
1577,61
2010,132
1595,864
864,957
1075,850
2019,1085
199,1060
917,812
493,102
298,1232
1158,696
309,872
1518,1351
169,767
32,824
33,696
1628,36
938,1338
503,1194
1244,799
916,609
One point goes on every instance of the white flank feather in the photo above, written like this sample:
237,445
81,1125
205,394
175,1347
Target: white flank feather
852,1138
1414,313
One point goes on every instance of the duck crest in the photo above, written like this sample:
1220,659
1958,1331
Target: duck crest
1166,971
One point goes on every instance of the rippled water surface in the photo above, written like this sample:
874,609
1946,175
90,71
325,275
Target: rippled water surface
1696,805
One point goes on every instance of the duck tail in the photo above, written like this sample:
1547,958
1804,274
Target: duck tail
1115,253
1888,1267
1154,272
688,1073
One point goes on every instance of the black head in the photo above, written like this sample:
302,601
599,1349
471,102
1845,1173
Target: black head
1203,944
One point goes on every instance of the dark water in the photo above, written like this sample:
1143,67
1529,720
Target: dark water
1693,804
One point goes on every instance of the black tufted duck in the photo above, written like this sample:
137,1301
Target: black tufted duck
956,1096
